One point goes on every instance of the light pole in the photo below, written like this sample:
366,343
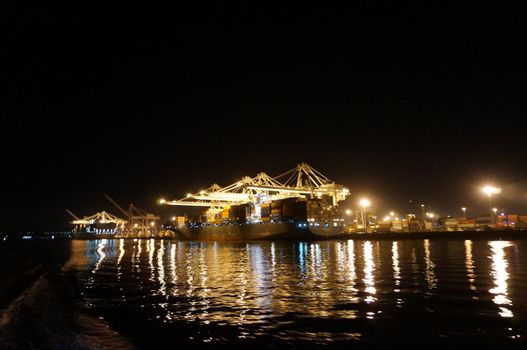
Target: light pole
348,213
489,191
364,203
464,213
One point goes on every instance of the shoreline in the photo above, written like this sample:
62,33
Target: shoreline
491,234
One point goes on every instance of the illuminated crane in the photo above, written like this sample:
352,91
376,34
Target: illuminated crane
303,181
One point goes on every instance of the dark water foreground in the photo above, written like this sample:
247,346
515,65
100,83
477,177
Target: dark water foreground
356,294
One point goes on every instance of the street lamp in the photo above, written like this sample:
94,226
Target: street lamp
364,203
464,213
489,191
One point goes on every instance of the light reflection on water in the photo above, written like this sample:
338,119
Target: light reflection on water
500,276
262,287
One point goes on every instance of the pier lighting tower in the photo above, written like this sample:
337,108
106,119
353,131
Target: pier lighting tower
489,191
364,203
348,213
464,210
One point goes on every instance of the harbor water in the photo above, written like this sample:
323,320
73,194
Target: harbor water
365,294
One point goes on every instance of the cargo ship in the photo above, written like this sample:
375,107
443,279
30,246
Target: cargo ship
103,225
100,225
303,206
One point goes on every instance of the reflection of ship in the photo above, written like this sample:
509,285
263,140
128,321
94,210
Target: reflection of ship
305,205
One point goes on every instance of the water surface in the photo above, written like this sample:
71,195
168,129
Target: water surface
330,293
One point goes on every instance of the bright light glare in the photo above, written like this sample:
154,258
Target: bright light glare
490,190
365,203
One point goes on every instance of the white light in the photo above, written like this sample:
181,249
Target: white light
490,190
162,201
348,212
365,203
173,218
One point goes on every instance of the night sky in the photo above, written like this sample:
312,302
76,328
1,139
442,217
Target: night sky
140,101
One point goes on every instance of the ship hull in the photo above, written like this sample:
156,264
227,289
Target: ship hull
258,231
235,232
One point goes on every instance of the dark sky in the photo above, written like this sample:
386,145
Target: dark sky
140,101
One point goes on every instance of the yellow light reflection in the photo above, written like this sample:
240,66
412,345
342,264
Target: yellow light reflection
469,265
139,249
430,276
203,279
369,267
243,288
101,253
396,268
500,276
352,274
121,251
161,269
191,287
173,268
151,249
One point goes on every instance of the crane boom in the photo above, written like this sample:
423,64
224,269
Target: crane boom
117,205
72,215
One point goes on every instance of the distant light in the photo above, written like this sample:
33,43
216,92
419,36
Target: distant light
189,195
365,203
202,192
152,224
392,213
490,190
162,201
494,210
348,212
173,218
387,218
135,225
